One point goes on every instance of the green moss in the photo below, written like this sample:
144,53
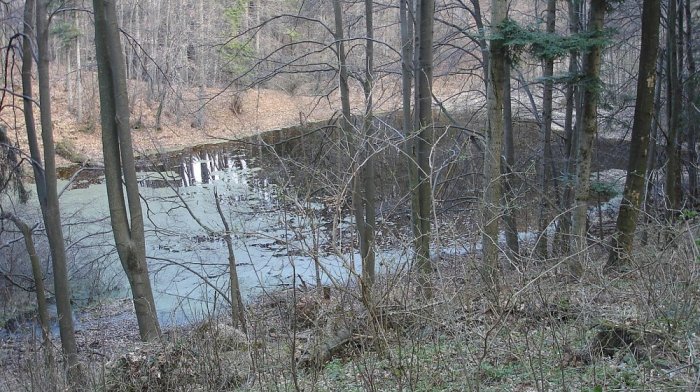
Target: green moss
66,149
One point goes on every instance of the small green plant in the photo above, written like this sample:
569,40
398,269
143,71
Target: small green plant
689,214
603,188
498,373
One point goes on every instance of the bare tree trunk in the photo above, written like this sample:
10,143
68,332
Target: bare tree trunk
38,276
623,239
652,156
692,113
127,221
369,218
491,209
591,72
200,116
509,221
572,131
546,175
363,187
79,78
406,8
237,308
27,105
407,45
673,191
482,41
424,141
49,200
345,121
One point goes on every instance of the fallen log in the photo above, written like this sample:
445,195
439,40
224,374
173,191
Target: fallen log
321,351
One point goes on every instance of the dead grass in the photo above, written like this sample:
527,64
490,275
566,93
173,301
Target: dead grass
631,331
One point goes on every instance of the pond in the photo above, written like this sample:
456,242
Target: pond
279,237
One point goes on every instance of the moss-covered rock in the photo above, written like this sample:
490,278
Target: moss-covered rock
67,149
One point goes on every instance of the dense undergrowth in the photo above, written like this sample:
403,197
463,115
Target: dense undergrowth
635,330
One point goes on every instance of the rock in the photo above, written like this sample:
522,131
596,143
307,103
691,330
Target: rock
227,337
611,338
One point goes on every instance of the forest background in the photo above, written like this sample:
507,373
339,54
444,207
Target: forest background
539,139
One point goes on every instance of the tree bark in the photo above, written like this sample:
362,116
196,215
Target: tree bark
362,171
572,130
546,175
673,191
692,113
491,209
622,240
38,276
481,40
49,202
424,141
589,128
237,308
345,121
509,221
126,220
408,66
369,218
652,156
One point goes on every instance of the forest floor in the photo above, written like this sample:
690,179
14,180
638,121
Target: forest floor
635,331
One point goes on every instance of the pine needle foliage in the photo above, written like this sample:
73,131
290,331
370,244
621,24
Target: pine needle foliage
548,46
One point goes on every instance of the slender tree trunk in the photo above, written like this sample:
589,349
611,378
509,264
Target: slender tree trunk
200,116
406,8
424,141
359,204
622,240
546,175
591,72
127,220
491,210
673,191
49,202
27,105
345,121
652,157
478,19
68,80
692,99
38,276
406,71
369,218
79,78
237,307
509,221
572,131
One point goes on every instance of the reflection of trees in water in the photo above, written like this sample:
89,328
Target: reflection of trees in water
208,167
224,165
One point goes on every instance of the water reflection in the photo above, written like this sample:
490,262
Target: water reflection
208,167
